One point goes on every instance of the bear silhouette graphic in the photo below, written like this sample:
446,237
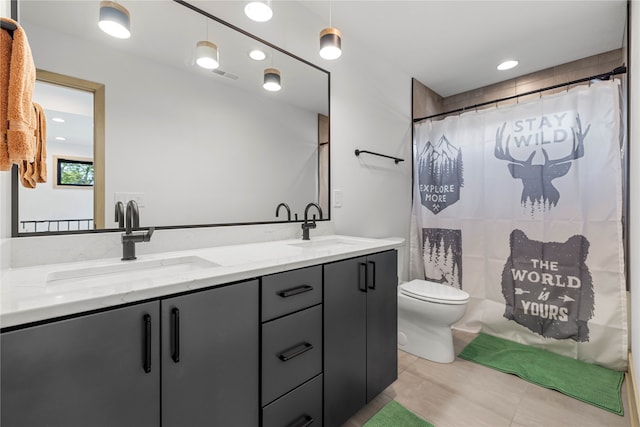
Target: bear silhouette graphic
548,288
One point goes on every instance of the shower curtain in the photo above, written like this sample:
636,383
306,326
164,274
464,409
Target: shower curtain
520,206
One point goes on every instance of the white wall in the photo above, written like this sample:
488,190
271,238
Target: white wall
634,203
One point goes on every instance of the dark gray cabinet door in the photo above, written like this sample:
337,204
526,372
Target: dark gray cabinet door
344,340
382,322
210,357
360,332
84,371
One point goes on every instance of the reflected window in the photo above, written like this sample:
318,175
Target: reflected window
74,172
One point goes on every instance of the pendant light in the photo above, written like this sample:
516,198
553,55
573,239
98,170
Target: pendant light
114,20
207,55
330,41
259,11
272,81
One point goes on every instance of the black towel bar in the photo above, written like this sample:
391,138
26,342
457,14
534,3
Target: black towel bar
395,159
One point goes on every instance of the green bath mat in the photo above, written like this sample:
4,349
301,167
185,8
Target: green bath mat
394,414
589,383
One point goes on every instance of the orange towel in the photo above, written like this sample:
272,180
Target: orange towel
36,172
20,112
5,58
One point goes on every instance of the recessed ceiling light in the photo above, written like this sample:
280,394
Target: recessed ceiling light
61,138
257,55
259,11
507,65
58,119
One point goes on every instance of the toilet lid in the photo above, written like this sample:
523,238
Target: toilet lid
434,292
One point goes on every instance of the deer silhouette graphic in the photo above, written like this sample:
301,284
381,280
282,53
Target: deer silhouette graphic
537,185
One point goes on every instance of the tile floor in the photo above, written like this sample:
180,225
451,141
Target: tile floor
465,394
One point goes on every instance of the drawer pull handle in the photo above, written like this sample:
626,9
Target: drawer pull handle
371,277
295,351
175,321
295,291
302,421
147,343
362,276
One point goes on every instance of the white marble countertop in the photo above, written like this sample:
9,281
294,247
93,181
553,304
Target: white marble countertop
32,294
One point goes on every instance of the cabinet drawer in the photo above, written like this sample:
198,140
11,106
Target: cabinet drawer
284,293
291,352
300,407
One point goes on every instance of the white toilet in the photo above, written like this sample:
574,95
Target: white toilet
426,311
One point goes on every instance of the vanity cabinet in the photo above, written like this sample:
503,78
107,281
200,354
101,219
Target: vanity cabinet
96,370
210,347
112,369
360,332
292,348
306,346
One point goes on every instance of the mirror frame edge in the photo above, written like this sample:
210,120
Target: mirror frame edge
99,166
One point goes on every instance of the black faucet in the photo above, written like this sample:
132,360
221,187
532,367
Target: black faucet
306,225
119,214
129,238
284,205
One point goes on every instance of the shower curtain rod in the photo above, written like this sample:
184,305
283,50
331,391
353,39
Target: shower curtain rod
605,76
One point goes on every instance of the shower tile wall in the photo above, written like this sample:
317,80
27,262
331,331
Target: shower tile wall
426,102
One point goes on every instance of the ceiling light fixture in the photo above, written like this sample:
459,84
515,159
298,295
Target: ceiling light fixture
272,81
257,55
259,11
330,41
507,65
61,138
58,119
114,20
207,55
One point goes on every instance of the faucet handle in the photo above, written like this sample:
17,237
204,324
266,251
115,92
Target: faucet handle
148,234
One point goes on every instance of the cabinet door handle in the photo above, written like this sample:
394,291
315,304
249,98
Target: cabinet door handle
146,365
175,325
362,277
302,421
372,277
294,291
295,351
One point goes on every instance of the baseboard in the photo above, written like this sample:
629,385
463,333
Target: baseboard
632,395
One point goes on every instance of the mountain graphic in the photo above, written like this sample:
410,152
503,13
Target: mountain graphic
441,158
442,151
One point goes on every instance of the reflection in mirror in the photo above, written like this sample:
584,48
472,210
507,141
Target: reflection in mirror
191,146
55,205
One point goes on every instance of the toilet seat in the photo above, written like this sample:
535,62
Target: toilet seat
434,292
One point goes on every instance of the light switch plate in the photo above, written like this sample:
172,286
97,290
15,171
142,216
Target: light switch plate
337,198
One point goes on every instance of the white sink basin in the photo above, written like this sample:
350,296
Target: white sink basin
324,243
130,270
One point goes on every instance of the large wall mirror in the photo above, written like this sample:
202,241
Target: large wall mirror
193,147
